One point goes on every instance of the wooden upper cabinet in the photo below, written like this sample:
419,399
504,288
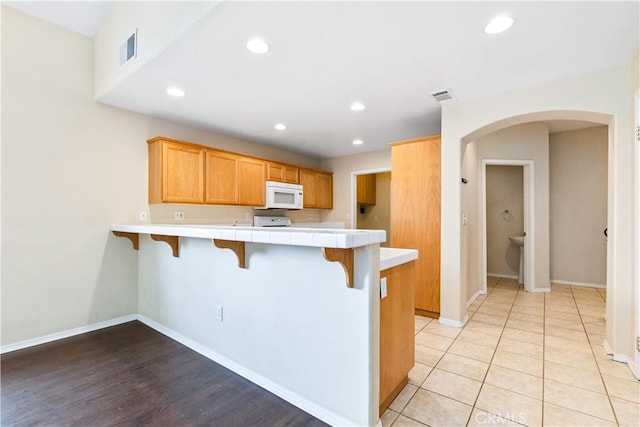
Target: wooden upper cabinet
309,188
222,177
325,190
366,189
282,173
176,172
415,217
318,189
251,181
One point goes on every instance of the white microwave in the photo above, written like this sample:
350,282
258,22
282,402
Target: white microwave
283,196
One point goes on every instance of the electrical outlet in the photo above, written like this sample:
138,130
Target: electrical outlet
219,312
142,215
178,215
247,216
383,287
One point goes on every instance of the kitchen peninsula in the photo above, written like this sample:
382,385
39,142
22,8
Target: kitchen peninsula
296,311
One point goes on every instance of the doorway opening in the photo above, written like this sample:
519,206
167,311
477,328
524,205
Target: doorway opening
371,201
508,216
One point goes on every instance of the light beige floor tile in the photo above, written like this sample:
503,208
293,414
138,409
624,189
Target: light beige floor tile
435,410
593,319
527,309
519,347
469,368
628,413
421,322
403,398
498,310
403,421
482,418
569,334
507,404
518,362
610,368
470,335
526,317
472,351
588,379
623,389
490,319
524,336
437,342
498,305
578,399
419,373
567,324
561,308
576,359
442,330
574,317
526,325
515,381
566,344
427,356
556,416
595,329
483,328
388,417
454,386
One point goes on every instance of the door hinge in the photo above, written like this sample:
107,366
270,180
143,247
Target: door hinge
637,133
638,343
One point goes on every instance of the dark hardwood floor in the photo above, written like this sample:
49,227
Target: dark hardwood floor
131,375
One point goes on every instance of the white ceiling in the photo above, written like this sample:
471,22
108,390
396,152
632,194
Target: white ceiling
389,55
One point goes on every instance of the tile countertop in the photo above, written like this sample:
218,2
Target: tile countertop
392,257
316,237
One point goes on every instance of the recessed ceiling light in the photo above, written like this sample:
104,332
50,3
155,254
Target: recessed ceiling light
175,91
357,142
357,106
257,46
280,126
498,25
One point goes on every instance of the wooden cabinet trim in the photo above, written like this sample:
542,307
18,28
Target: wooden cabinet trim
238,248
172,241
134,237
344,257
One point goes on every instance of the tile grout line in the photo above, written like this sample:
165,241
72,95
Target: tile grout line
606,389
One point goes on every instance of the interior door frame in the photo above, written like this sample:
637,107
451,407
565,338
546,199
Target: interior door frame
353,203
529,205
636,368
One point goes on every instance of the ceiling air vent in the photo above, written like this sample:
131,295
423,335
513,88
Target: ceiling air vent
442,95
129,49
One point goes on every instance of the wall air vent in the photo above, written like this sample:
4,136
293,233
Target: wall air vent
129,49
442,95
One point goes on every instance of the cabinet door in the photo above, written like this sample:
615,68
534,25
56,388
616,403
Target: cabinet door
275,172
291,175
415,217
366,189
310,188
222,178
251,182
325,190
182,173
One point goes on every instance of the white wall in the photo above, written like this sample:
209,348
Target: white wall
342,167
159,23
602,97
578,203
504,193
71,167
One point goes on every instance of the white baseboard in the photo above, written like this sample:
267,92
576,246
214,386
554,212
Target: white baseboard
284,393
540,290
66,334
454,323
621,358
586,285
476,295
503,276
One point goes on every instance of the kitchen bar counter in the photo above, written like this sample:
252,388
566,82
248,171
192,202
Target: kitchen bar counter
315,237
275,309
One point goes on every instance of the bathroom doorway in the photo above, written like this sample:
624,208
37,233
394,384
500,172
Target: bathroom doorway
507,212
